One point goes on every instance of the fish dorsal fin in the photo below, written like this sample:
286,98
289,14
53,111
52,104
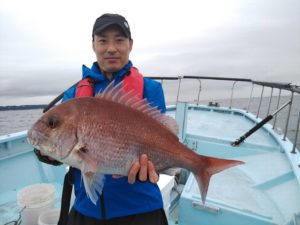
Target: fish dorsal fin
118,94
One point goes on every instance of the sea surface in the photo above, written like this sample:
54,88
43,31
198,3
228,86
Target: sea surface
13,121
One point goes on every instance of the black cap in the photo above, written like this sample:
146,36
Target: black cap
109,19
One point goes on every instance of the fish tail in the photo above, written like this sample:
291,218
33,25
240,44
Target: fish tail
208,167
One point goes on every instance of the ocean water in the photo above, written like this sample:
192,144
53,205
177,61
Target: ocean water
12,121
19,120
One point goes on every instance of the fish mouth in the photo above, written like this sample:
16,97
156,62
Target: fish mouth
31,142
32,138
36,138
56,146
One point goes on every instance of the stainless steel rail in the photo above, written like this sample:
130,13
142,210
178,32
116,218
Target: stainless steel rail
292,89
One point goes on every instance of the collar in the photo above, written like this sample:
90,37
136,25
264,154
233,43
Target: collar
95,73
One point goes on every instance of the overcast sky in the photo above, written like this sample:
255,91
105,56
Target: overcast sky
43,44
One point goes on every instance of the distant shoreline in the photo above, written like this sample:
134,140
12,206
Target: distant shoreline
21,107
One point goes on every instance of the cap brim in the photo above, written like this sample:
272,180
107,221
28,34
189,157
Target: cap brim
100,29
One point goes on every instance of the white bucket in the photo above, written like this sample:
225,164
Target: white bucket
34,200
49,217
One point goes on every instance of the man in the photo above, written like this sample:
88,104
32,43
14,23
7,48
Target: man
135,199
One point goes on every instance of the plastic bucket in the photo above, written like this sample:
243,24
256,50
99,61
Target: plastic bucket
33,200
49,217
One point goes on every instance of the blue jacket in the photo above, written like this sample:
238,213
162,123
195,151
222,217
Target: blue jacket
120,197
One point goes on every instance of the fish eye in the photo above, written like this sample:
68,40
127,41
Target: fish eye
52,122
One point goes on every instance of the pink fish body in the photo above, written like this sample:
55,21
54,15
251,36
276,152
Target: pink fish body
107,133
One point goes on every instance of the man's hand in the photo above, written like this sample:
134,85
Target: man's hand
144,169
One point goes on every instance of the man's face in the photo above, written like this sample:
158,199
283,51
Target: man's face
112,49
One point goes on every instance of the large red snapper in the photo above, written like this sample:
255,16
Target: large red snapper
107,133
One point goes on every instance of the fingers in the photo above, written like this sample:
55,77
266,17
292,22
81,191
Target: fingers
143,173
144,169
133,172
153,176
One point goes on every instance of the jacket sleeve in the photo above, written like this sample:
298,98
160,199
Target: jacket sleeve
153,92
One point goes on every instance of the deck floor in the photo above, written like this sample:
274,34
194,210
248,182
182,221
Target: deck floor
219,123
263,186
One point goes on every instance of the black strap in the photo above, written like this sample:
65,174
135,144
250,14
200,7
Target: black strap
66,198
103,212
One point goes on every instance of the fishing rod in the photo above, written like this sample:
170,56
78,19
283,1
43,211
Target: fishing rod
259,125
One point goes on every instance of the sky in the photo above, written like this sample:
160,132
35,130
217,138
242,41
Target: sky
43,44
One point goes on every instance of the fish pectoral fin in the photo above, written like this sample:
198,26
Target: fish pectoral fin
89,165
93,181
93,184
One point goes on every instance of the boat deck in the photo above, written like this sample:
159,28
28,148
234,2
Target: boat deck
262,191
224,124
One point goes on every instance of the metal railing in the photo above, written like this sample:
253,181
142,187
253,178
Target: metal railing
291,89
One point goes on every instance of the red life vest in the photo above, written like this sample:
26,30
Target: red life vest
133,81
